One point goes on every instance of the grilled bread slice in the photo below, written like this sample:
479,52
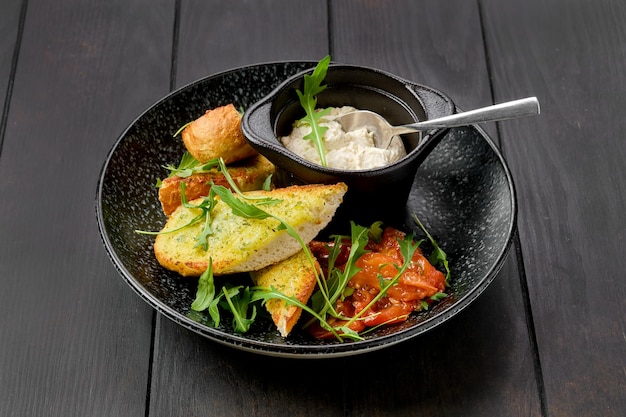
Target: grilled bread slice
216,134
294,277
239,244
248,175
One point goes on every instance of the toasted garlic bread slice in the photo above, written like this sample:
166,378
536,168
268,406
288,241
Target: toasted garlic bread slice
294,277
216,134
248,175
238,244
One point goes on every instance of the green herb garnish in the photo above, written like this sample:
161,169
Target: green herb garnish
438,257
189,166
308,100
238,301
407,248
235,299
333,289
205,294
332,284
179,131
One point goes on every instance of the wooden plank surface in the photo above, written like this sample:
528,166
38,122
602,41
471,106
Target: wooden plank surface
75,340
218,36
545,339
10,18
572,189
427,42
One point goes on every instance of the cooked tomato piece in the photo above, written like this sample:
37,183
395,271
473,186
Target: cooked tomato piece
382,263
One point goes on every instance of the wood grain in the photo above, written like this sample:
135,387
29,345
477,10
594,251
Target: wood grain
75,340
545,339
10,18
218,36
425,41
572,186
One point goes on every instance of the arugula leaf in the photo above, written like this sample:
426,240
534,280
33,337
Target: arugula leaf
206,206
179,131
185,167
325,298
407,249
235,189
438,256
439,296
347,332
188,166
425,304
238,206
265,294
203,237
308,100
360,237
267,184
206,290
238,300
376,231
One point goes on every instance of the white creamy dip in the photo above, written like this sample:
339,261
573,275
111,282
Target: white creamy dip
344,150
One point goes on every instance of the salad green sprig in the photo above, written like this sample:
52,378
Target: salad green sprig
308,100
189,166
407,248
438,257
336,284
332,284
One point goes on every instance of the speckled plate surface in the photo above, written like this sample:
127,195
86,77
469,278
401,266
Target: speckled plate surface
463,193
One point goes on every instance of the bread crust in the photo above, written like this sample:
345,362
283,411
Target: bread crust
217,134
240,244
248,175
294,277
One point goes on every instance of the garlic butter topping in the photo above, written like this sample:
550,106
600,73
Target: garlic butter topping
353,150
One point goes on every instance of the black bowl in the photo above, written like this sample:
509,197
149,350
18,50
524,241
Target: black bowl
463,193
397,100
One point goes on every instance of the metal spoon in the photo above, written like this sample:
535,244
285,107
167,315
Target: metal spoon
384,132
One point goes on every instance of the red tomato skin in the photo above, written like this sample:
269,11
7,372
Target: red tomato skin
419,282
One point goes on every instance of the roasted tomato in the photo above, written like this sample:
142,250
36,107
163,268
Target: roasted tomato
418,283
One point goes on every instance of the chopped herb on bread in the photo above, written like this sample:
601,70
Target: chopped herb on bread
239,244
294,277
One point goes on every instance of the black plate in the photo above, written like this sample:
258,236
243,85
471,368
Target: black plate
463,193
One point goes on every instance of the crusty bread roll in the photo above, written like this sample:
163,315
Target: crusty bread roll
248,175
238,244
294,277
217,134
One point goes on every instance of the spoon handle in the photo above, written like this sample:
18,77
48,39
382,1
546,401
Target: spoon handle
503,111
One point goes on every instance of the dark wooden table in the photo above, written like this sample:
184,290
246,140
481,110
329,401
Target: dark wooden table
547,338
